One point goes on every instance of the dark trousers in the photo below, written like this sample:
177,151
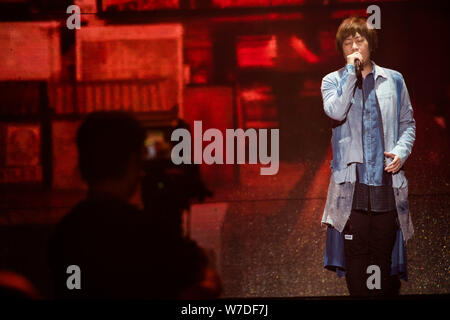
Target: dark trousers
369,240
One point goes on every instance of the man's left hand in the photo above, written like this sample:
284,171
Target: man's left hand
395,165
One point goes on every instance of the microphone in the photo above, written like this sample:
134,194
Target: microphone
358,65
358,73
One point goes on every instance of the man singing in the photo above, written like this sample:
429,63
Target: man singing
373,133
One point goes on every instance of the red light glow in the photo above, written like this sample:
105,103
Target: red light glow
303,51
256,51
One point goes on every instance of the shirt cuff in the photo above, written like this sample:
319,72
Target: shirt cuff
350,68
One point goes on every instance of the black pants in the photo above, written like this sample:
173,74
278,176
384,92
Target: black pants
369,240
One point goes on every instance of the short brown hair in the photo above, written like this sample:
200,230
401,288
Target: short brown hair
352,25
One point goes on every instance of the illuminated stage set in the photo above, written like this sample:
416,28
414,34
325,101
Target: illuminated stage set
249,65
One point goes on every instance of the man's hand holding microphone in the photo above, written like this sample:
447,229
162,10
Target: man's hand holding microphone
356,59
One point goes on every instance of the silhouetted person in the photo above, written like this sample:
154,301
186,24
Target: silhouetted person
119,252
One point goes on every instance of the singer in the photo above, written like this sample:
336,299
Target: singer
373,133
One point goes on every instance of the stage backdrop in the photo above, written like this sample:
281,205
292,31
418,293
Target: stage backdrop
30,51
138,52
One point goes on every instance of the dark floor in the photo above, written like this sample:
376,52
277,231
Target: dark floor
265,233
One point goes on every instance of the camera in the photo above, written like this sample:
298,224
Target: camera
167,190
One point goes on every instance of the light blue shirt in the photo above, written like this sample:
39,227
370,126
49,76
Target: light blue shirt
370,171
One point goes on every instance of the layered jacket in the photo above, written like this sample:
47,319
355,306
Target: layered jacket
344,105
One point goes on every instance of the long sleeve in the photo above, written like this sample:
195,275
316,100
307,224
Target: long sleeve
338,95
407,126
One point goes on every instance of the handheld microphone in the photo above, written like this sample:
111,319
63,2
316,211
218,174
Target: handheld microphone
358,65
358,73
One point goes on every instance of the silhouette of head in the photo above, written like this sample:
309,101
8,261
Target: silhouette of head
110,152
